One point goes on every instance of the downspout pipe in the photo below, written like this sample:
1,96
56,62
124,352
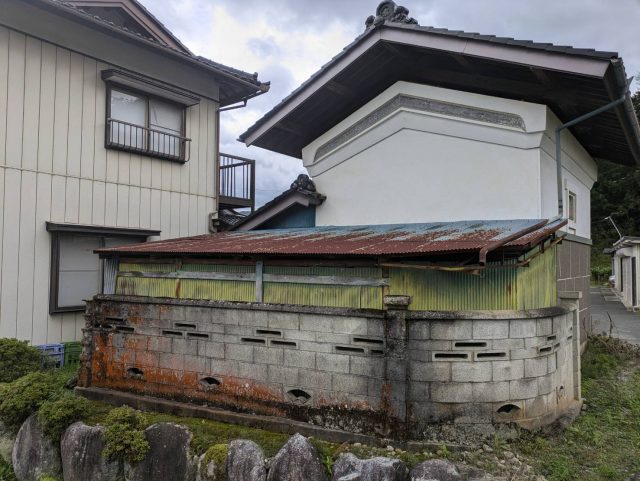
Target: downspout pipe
625,96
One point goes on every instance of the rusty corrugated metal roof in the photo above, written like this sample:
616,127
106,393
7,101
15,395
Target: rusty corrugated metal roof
365,240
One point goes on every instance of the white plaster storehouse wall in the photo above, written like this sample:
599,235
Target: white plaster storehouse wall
448,156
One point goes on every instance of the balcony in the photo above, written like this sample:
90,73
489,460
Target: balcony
144,141
237,182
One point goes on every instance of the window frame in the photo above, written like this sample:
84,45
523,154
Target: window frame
184,141
57,230
573,217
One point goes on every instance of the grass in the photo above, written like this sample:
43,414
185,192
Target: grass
6,472
604,442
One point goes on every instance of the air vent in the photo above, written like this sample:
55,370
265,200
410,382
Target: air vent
510,409
125,329
105,326
277,342
172,333
197,335
253,340
209,383
450,356
489,356
184,325
135,373
551,338
366,340
350,349
470,344
545,349
115,320
376,352
298,396
268,332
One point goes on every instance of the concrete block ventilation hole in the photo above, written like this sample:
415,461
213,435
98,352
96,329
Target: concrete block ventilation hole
209,383
561,392
135,373
509,409
298,396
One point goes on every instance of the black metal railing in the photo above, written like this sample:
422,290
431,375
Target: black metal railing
142,140
237,182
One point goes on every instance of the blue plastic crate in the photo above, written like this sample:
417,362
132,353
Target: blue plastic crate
52,355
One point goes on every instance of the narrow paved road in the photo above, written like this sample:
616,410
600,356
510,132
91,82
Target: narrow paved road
611,317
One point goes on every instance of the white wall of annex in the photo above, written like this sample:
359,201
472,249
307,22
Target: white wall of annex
416,176
417,166
54,167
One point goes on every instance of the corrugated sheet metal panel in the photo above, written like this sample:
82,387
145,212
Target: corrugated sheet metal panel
146,287
147,267
214,290
368,240
369,272
357,297
232,268
537,284
502,288
109,276
449,291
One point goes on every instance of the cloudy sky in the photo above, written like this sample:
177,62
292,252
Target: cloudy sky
288,40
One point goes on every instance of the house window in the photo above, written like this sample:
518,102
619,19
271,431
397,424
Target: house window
76,271
145,124
572,206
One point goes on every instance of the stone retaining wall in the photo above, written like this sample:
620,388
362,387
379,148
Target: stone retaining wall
393,373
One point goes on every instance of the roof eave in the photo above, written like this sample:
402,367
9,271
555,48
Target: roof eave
254,86
397,33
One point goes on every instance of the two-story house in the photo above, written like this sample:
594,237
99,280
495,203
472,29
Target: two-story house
109,134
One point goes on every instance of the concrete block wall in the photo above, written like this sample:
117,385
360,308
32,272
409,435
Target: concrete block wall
475,371
392,373
269,361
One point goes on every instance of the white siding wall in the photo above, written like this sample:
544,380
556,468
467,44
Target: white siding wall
54,167
421,166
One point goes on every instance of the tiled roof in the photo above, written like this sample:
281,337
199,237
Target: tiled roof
367,240
239,74
529,44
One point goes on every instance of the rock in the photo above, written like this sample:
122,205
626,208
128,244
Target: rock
212,465
81,451
350,468
435,470
297,460
245,462
168,457
6,444
34,455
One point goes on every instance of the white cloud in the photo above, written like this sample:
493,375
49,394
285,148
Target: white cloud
286,41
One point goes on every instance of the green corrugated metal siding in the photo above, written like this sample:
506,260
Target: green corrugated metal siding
243,269
373,272
537,285
214,290
359,297
146,287
496,288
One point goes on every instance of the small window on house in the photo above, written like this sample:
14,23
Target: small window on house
146,125
572,199
76,272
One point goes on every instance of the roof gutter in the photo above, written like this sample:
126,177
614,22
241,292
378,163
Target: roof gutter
625,99
484,252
